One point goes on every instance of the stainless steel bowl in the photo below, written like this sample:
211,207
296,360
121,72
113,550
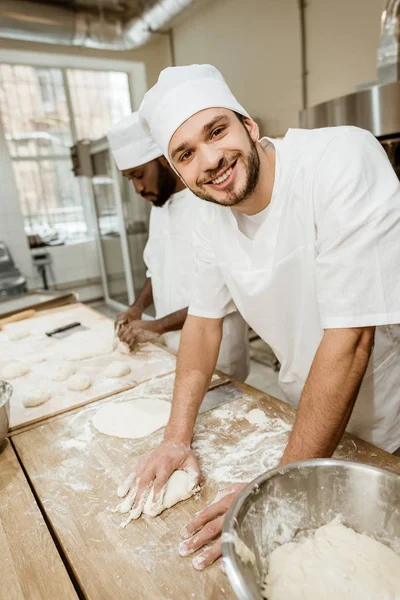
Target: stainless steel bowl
301,496
6,391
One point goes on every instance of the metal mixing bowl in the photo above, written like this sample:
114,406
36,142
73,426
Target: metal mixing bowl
303,496
6,391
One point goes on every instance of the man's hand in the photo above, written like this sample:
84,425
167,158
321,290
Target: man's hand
139,331
156,468
207,527
132,313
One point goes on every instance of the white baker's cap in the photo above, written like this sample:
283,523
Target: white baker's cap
180,93
130,144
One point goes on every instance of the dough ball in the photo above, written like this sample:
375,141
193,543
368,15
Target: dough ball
35,359
14,369
18,334
180,486
36,397
123,348
79,382
62,372
256,417
335,563
88,344
117,369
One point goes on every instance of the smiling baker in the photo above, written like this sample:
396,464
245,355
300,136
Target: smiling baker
169,251
302,234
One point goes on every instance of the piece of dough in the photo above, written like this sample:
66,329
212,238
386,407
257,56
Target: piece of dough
256,417
117,369
18,334
123,348
14,369
180,486
35,359
79,382
87,344
36,397
62,372
335,563
132,419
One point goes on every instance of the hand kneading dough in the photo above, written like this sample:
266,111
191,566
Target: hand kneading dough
62,372
117,369
36,398
79,382
19,334
14,369
134,419
335,563
180,486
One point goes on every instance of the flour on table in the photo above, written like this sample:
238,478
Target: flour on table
88,344
335,563
256,417
14,369
117,369
135,419
62,372
36,397
18,334
79,382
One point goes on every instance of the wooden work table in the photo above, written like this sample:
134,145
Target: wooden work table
30,566
75,472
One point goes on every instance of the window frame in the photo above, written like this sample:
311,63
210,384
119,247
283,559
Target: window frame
135,71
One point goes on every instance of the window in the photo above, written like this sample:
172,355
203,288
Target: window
44,110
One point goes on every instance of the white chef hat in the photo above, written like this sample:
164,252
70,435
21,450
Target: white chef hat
130,144
180,93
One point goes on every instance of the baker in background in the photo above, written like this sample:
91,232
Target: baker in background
169,251
302,234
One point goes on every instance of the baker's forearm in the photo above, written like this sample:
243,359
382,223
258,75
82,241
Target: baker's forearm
197,357
173,322
329,393
145,297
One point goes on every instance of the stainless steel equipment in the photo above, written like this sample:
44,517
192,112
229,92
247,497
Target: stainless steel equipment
301,496
376,107
12,282
5,395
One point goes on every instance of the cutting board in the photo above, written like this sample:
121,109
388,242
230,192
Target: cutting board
30,566
151,360
75,471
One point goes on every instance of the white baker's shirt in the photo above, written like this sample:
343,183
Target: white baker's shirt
169,257
327,255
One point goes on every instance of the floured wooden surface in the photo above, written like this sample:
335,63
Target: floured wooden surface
76,470
149,361
30,566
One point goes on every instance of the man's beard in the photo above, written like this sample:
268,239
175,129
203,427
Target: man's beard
251,162
166,184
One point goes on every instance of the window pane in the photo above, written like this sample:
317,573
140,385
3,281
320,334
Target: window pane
34,111
50,198
99,100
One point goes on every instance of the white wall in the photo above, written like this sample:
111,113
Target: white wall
342,43
256,46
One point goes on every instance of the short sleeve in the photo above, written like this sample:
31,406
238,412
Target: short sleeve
210,296
356,198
